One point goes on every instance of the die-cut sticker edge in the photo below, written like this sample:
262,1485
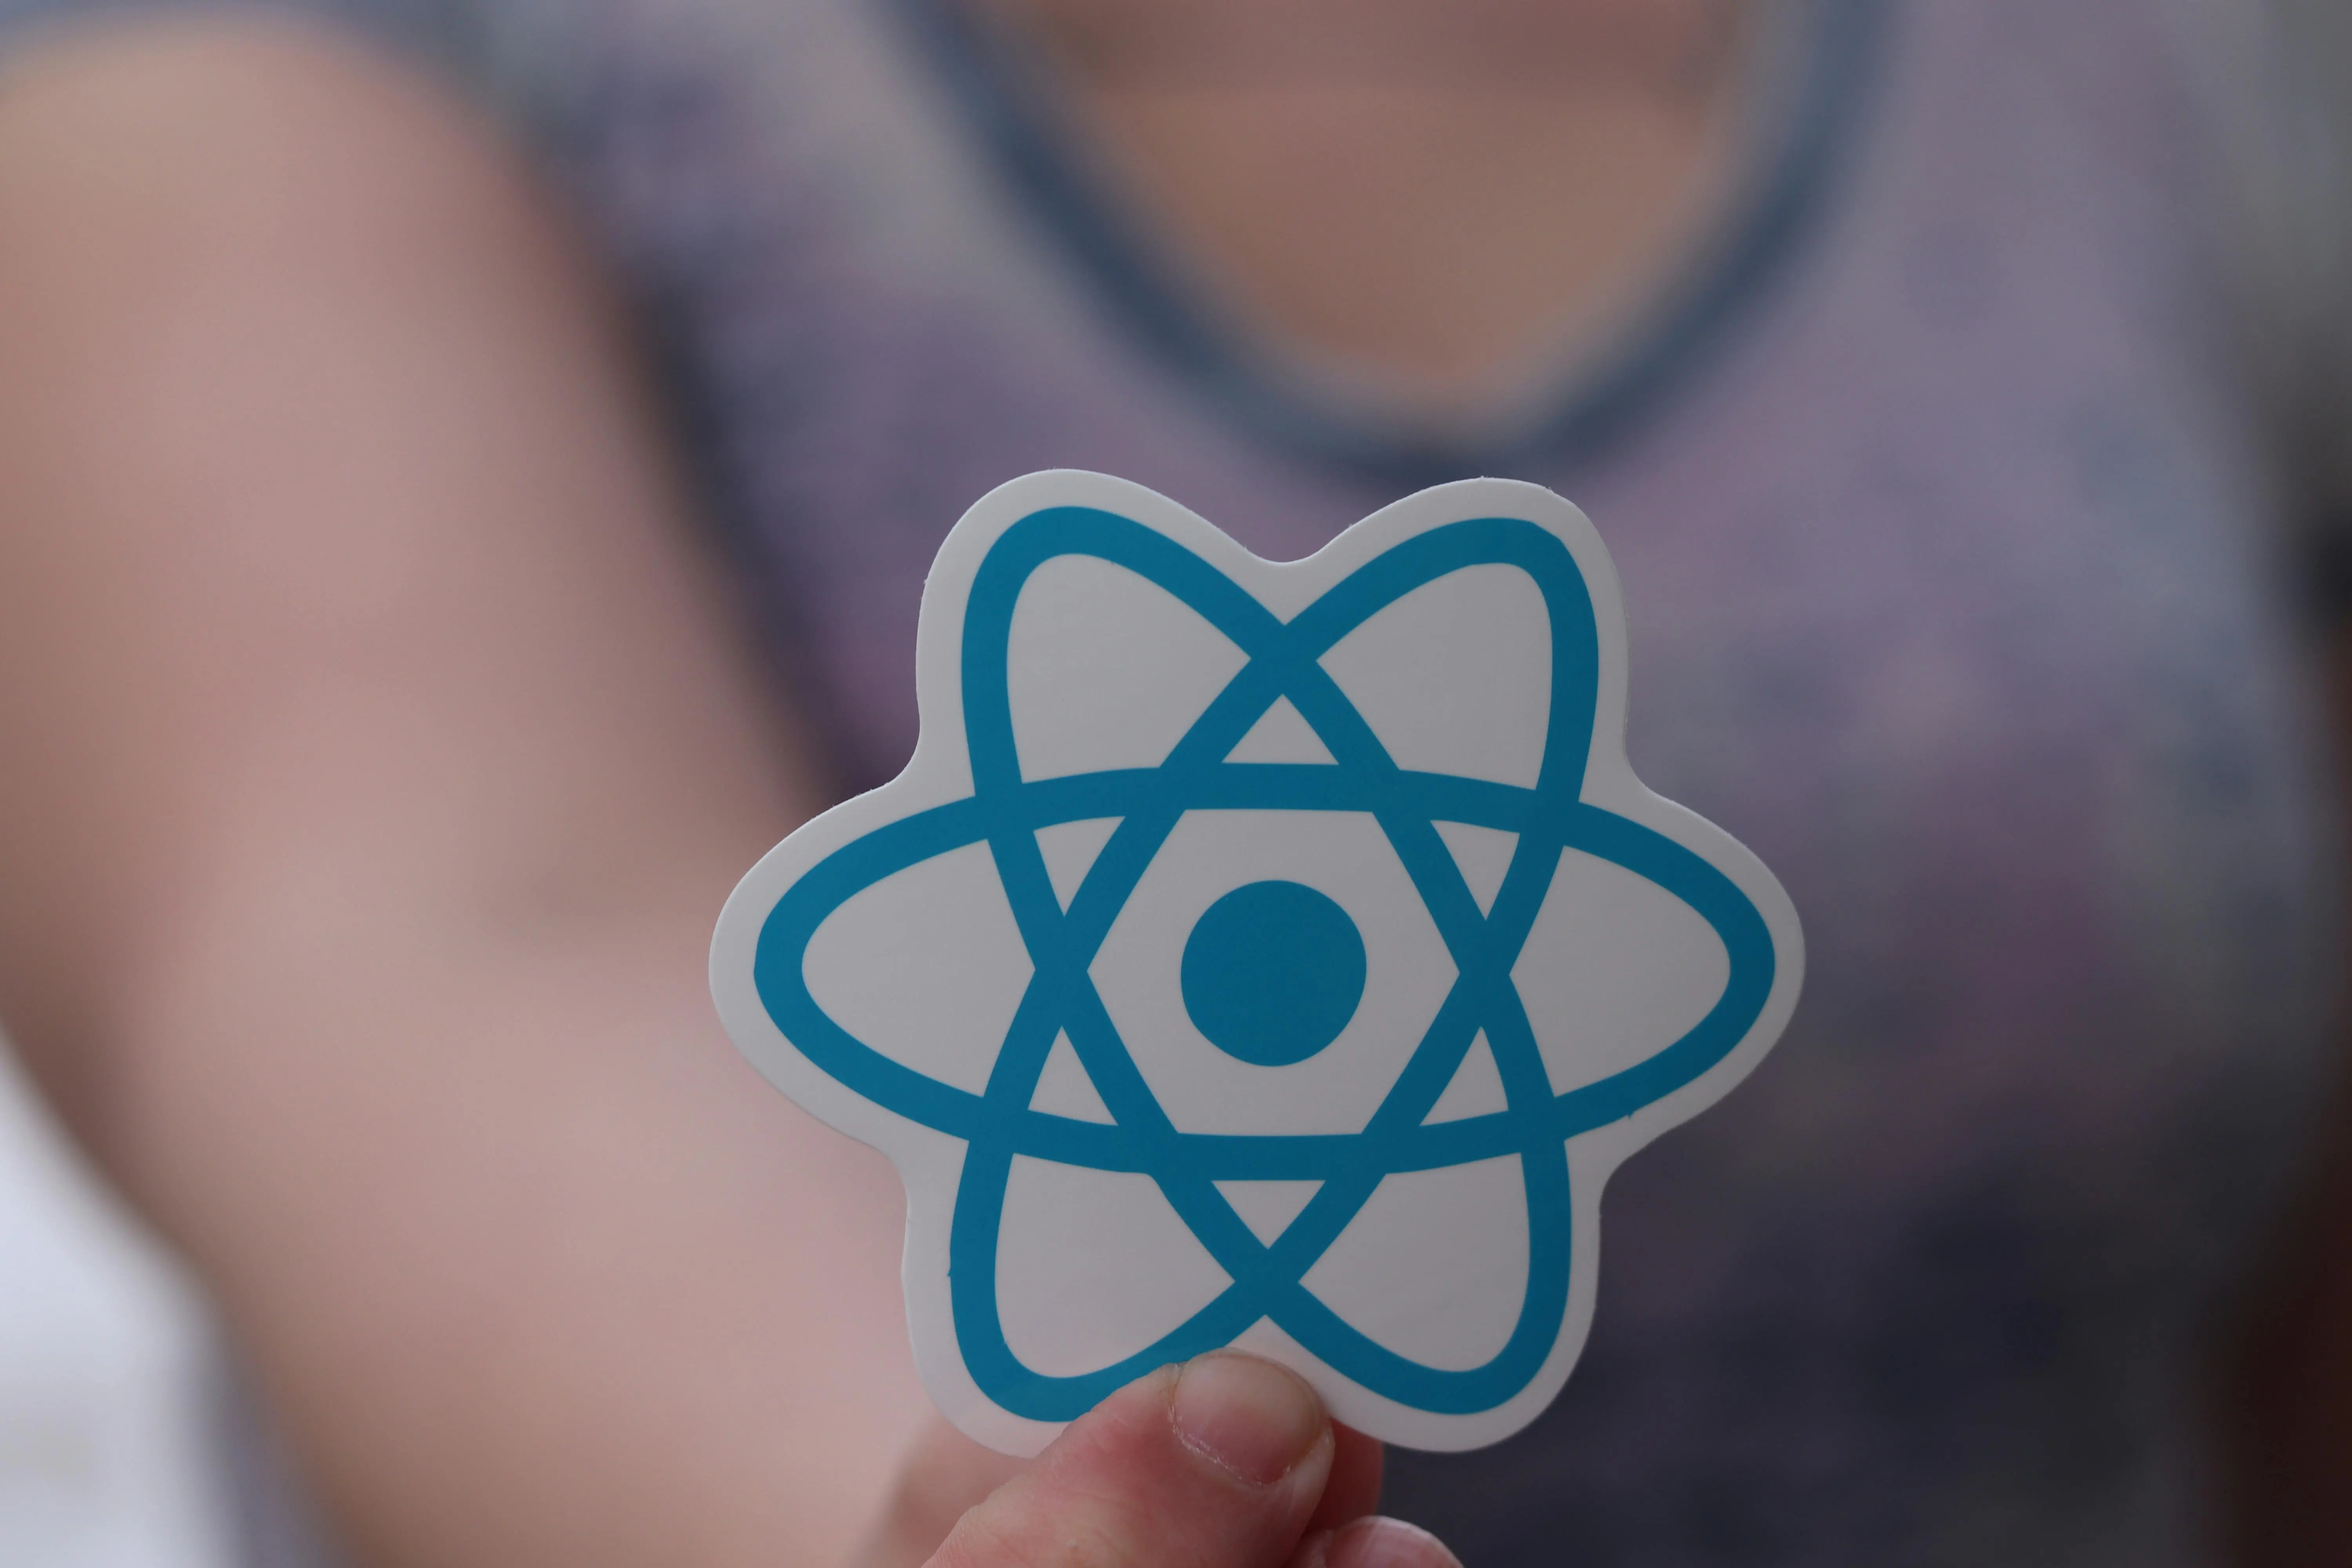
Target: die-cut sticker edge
930,1162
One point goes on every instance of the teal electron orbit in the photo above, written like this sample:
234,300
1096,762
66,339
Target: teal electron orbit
1006,811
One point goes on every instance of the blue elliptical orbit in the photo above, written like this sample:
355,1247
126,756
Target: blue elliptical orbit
1006,811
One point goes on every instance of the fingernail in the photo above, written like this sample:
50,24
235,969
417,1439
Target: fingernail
1249,1416
1387,1543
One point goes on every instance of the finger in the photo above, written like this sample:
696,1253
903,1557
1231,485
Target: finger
945,1474
1353,1489
1374,1543
1216,1464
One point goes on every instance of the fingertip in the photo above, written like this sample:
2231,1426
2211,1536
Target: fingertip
1384,1543
1220,1460
1353,1487
1249,1416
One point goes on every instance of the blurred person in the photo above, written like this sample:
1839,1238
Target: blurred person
467,473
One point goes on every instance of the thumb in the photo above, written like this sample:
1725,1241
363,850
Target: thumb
1217,1464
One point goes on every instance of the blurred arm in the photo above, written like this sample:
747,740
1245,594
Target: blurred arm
371,768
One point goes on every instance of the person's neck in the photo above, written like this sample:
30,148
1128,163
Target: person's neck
1437,194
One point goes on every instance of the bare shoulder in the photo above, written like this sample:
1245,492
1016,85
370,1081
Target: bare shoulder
334,530
229,131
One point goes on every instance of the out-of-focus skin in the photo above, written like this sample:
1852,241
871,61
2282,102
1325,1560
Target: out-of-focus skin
373,757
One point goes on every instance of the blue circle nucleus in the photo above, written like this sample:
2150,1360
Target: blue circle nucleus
1005,811
1272,972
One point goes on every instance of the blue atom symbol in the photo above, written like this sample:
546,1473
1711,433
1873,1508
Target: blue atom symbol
1273,972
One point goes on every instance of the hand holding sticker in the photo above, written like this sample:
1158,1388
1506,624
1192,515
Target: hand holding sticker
1278,955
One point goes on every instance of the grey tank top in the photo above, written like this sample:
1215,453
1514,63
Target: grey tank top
1955,590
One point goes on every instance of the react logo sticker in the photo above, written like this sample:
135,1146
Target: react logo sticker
1270,955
